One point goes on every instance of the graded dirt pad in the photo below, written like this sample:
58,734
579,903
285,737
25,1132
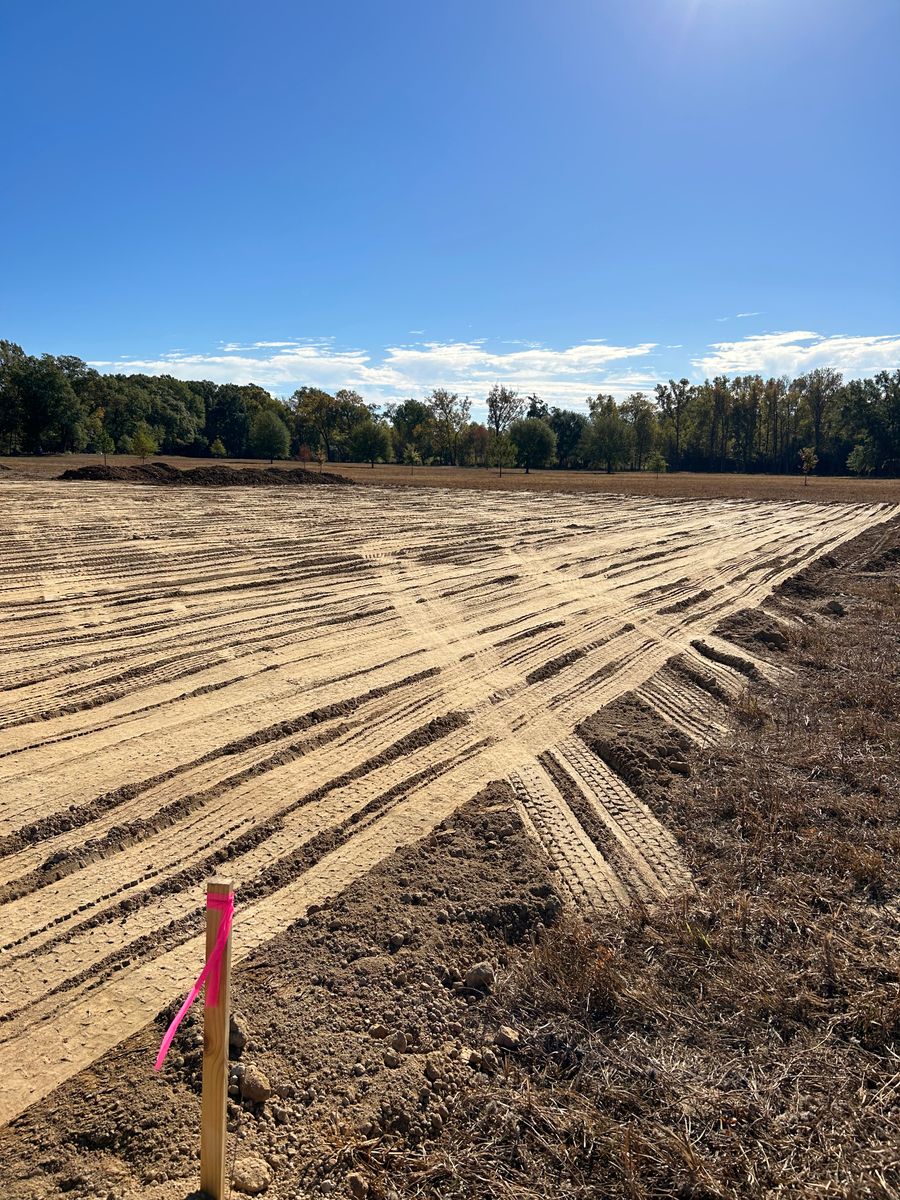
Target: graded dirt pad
290,685
737,1040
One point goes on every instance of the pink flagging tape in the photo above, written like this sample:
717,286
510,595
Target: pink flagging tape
211,971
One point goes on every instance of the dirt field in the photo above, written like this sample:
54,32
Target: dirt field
684,484
294,683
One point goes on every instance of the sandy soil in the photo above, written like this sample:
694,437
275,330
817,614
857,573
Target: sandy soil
291,685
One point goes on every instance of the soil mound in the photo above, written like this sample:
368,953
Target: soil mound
212,476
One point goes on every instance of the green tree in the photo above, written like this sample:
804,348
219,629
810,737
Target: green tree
674,401
607,437
450,413
217,449
413,425
861,460
819,391
143,442
501,452
656,462
639,415
269,436
412,457
371,441
534,441
12,357
569,428
51,417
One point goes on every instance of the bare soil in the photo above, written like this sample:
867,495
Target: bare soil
736,1040
306,690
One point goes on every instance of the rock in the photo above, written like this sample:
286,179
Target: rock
398,1042
489,1063
835,608
391,1058
255,1085
358,1069
507,1038
251,1176
358,1186
237,1035
379,1032
280,1114
396,941
480,978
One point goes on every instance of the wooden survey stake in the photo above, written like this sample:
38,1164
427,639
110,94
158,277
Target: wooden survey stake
216,1016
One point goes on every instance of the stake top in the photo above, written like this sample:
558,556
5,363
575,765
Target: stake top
220,885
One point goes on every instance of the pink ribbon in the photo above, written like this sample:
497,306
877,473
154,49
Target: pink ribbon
211,972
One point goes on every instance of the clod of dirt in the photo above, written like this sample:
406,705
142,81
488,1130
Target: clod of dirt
251,1176
255,1086
237,1036
359,1188
835,608
753,628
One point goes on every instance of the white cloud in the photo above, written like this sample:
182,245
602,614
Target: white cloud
564,376
800,351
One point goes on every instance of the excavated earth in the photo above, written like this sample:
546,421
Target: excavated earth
307,689
211,476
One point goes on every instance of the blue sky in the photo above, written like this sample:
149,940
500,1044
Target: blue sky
564,195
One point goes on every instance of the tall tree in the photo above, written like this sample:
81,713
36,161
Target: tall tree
640,417
819,391
451,416
504,407
673,400
606,439
12,357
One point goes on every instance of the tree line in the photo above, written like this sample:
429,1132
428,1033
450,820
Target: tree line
53,404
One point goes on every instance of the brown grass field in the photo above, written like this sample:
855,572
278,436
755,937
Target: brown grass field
421,727
679,485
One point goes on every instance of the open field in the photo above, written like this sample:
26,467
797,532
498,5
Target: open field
294,683
629,483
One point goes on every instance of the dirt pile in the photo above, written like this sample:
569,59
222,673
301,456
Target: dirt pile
211,476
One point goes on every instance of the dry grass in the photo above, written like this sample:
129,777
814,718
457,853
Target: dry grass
685,484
